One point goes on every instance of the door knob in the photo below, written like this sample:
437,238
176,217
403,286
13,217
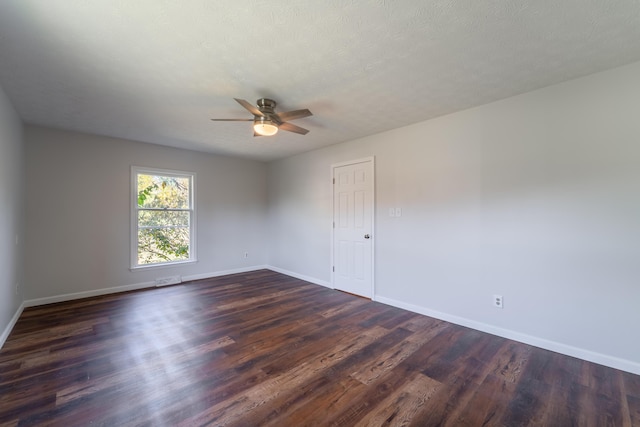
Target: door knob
366,236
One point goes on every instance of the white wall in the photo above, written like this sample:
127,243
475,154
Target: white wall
536,198
78,212
11,204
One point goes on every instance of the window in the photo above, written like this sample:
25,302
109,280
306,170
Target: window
163,219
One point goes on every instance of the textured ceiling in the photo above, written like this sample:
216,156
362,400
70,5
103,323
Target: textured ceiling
157,71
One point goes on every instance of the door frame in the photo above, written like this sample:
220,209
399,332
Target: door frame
371,159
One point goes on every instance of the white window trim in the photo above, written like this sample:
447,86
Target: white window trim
135,170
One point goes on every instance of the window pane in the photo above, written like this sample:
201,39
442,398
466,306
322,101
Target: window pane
162,219
162,245
155,191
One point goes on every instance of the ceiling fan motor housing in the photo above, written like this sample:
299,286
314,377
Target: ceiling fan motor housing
267,106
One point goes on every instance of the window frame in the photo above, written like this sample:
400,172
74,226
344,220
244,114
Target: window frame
137,170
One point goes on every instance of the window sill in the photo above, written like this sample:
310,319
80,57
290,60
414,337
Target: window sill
163,265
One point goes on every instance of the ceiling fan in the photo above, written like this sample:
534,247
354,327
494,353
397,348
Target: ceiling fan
266,121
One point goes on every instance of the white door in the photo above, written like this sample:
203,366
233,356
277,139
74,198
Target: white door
353,228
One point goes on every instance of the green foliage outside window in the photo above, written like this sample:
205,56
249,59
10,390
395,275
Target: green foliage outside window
163,218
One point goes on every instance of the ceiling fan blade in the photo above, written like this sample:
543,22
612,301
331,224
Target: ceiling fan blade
292,115
232,120
293,128
252,109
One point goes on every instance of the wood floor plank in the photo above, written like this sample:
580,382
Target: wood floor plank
631,384
485,404
459,388
225,412
390,358
262,348
634,410
361,405
301,408
401,405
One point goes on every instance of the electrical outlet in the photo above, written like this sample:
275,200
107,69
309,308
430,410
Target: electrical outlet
498,301
17,288
246,254
392,212
398,212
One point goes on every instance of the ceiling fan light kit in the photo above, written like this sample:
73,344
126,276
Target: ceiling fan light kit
266,121
264,127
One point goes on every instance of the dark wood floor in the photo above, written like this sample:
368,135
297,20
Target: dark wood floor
265,349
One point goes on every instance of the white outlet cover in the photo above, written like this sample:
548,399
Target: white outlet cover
498,301
392,212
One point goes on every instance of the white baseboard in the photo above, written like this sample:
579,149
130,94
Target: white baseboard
580,353
12,323
223,273
602,359
114,290
87,294
132,287
300,276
